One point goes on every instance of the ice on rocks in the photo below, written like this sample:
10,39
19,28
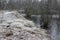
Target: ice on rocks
15,27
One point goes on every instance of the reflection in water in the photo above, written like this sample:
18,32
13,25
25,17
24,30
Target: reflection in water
36,19
54,29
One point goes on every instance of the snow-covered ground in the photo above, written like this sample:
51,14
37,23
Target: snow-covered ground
14,26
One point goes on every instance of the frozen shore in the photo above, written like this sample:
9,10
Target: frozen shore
13,26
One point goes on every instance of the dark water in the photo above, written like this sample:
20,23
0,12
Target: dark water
36,19
54,33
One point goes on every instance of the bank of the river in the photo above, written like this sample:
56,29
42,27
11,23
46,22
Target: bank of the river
13,26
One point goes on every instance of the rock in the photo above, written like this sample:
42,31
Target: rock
8,33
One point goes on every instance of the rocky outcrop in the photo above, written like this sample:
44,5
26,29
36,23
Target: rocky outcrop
20,28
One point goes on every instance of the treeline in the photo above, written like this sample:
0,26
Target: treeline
31,6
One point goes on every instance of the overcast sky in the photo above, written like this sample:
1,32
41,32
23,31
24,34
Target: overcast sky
39,0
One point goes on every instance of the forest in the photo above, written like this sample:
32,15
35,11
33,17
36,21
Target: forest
32,6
